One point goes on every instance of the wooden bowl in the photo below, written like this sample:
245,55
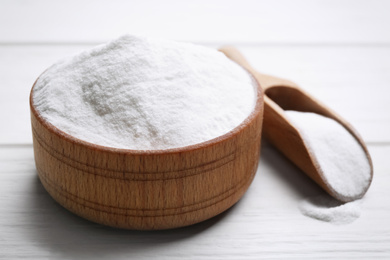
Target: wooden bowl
149,189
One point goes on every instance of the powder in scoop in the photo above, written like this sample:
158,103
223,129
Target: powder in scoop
142,93
341,158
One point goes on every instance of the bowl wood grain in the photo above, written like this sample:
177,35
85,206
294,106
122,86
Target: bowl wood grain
150,189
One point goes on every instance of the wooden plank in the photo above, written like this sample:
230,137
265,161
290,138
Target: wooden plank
265,224
244,21
351,80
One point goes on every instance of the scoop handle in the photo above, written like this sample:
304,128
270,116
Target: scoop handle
282,94
266,81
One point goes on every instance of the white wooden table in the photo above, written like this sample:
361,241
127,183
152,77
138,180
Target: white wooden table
339,51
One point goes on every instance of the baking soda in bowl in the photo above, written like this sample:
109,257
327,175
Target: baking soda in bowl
145,94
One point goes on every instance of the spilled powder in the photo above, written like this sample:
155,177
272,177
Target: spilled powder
145,94
328,209
343,165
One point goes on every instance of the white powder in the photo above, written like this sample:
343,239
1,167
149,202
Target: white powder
328,209
343,164
341,158
141,93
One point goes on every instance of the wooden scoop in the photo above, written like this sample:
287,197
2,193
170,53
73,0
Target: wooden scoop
281,94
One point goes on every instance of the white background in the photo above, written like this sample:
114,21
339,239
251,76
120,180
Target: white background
339,51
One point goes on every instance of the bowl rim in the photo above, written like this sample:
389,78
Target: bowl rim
259,107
